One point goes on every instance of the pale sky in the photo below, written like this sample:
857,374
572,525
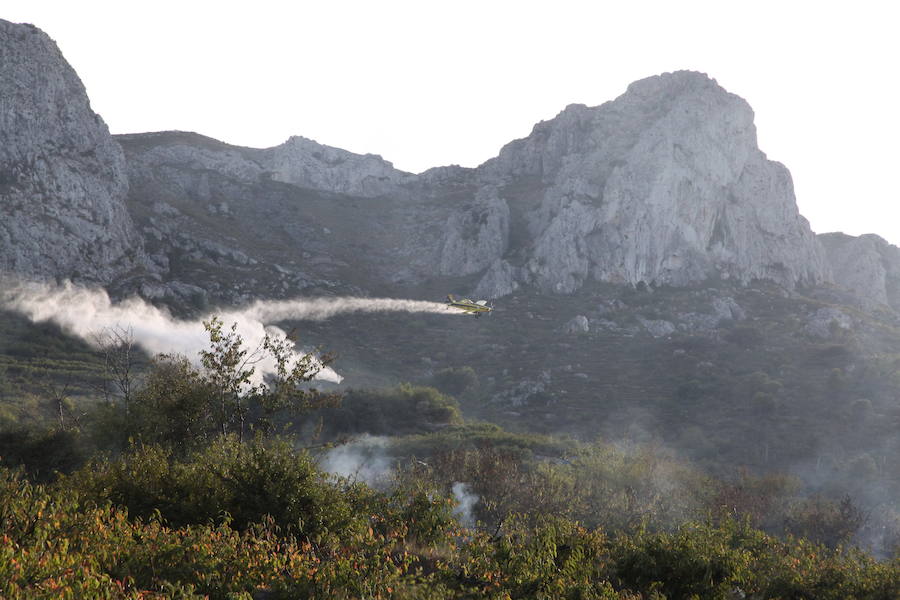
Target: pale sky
426,83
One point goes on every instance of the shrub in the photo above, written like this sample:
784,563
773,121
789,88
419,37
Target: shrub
456,381
400,410
247,482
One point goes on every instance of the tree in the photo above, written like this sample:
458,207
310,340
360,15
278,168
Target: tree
175,406
119,351
283,393
184,406
229,369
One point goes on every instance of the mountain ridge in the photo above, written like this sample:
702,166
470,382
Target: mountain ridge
663,185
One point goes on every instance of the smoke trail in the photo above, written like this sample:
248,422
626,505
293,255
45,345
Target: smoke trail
465,503
319,309
85,312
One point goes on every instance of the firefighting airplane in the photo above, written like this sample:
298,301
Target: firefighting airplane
469,306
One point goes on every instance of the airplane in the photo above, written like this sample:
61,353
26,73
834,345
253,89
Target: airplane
470,306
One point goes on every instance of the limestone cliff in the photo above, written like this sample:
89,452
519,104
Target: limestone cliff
663,185
62,177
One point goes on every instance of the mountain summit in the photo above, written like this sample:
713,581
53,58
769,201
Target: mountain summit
663,185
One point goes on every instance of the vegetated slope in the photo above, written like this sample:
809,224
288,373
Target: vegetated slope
40,364
781,385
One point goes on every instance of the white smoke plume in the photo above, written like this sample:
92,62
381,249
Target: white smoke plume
465,502
362,459
85,312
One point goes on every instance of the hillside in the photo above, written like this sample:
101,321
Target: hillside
659,302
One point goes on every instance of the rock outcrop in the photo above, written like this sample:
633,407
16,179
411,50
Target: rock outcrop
499,280
477,235
827,322
62,177
577,324
663,185
306,163
867,266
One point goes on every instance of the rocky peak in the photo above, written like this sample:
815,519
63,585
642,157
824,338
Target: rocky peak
665,185
306,163
62,177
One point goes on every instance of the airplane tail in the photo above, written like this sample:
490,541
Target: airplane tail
450,298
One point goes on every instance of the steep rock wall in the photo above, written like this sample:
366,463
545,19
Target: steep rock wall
62,177
663,185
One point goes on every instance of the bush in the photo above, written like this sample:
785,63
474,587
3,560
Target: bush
246,482
42,453
400,410
456,381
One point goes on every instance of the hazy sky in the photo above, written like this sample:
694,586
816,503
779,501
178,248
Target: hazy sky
433,83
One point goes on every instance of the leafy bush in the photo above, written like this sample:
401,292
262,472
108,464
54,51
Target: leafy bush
42,452
54,543
246,482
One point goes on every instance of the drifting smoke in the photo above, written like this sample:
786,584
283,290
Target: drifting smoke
466,501
86,312
363,459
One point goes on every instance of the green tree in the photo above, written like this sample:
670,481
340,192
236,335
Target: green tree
228,371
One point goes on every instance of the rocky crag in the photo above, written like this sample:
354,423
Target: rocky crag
664,185
63,179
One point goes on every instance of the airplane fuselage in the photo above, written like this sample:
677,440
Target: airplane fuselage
469,306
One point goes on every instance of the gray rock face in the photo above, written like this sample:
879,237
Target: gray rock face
62,177
867,266
663,185
498,281
577,324
477,235
826,322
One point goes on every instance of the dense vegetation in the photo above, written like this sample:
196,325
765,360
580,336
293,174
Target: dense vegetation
183,480
260,520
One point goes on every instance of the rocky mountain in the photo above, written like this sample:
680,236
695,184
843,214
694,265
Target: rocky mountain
63,179
664,185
